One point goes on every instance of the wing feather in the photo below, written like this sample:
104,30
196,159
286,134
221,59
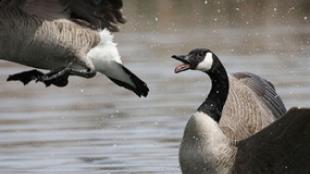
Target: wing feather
265,91
97,14
281,148
252,104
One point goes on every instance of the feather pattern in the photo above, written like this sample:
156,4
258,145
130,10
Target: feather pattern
252,104
42,44
91,13
264,90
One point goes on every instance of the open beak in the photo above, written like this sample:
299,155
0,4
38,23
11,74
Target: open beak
182,67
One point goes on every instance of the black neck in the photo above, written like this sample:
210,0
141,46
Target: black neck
214,103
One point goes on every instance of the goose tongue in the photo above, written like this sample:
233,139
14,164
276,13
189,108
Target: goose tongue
181,67
185,64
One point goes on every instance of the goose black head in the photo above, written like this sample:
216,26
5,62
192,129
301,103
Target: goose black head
197,59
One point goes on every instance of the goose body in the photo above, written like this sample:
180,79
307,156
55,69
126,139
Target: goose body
242,115
57,43
45,44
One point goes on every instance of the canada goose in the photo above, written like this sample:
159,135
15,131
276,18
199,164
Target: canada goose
209,143
247,100
65,37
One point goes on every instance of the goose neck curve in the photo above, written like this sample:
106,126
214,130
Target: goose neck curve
214,103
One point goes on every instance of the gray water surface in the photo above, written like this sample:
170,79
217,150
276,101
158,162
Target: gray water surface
93,126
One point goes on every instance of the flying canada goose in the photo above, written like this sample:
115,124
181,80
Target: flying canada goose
268,140
67,37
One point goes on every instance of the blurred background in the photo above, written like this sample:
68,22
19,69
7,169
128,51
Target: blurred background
96,127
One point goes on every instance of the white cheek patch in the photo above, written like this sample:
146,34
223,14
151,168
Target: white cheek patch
206,64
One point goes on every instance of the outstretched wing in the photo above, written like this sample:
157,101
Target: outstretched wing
97,14
281,148
264,90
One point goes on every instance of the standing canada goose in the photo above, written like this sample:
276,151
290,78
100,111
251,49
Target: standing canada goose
245,99
209,143
67,37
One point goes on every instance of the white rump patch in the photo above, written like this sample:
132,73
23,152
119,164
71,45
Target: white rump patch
106,50
106,37
207,62
106,58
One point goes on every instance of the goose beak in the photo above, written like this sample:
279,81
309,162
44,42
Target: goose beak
182,67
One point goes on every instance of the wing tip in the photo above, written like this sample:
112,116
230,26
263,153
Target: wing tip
141,89
136,85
